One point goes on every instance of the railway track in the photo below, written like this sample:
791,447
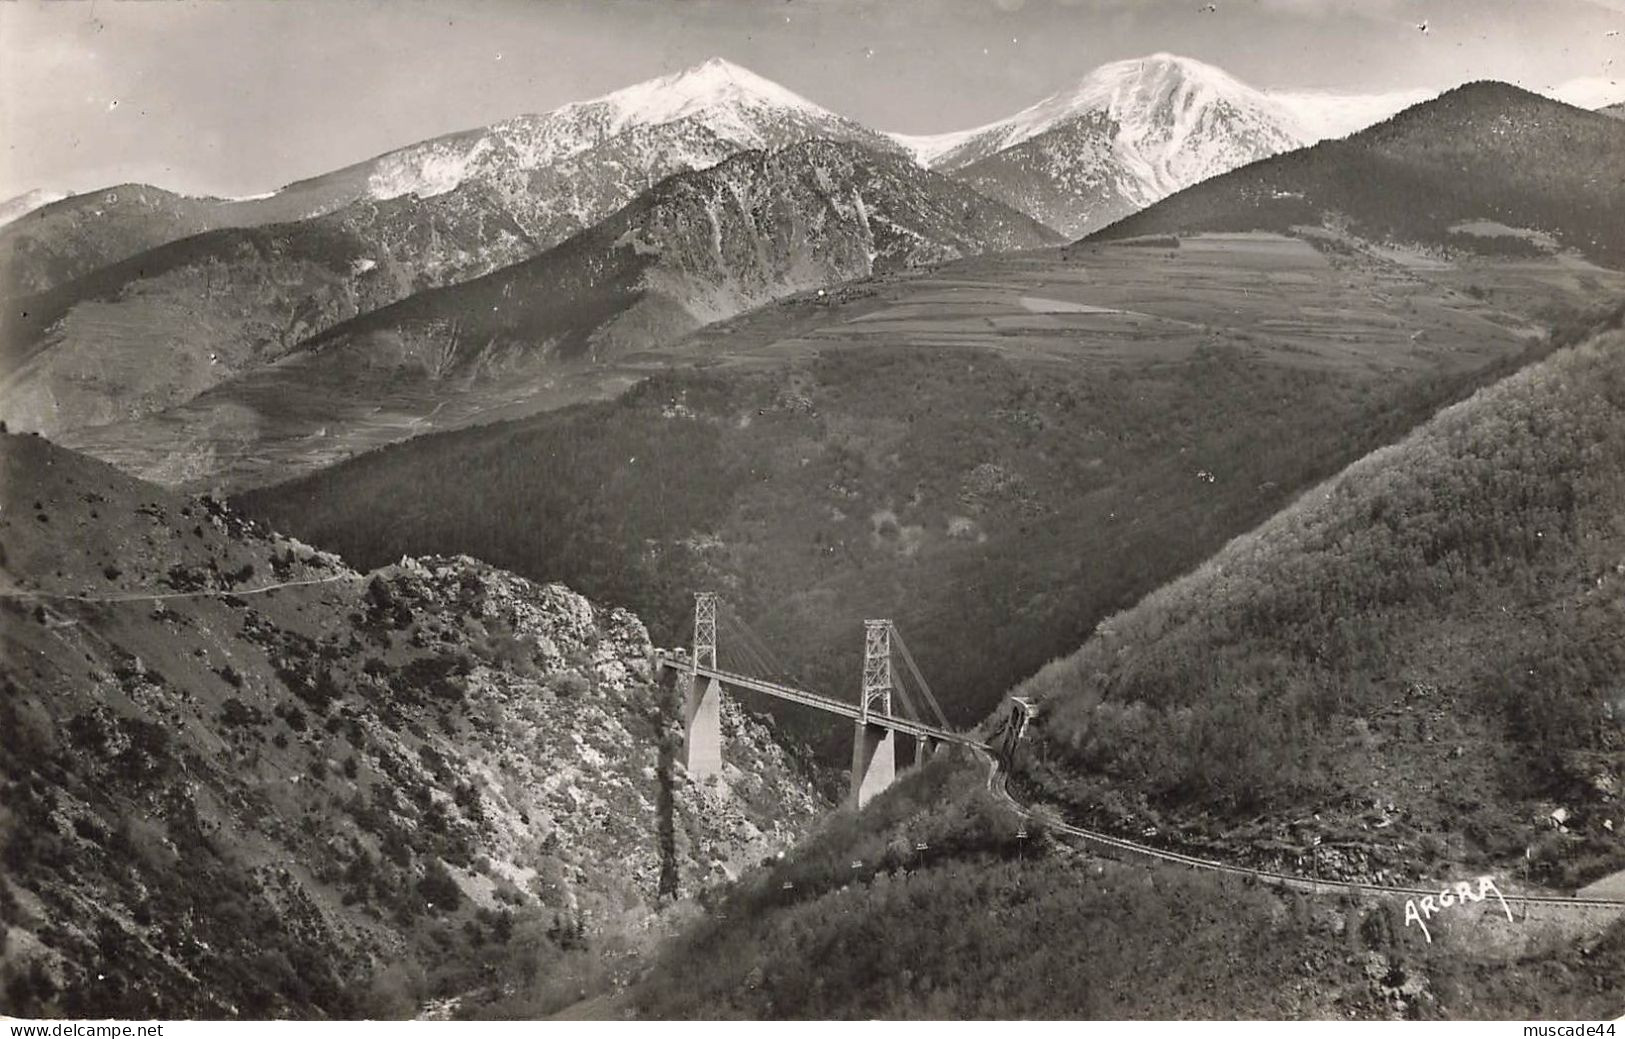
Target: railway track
998,785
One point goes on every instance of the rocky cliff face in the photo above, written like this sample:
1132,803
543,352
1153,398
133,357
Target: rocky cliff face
1070,178
248,802
772,223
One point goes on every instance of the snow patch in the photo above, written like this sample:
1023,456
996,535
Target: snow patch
1587,91
928,148
426,171
1325,115
21,205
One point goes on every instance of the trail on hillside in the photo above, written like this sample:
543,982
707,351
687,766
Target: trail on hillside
18,593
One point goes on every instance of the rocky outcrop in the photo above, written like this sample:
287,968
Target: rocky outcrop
252,802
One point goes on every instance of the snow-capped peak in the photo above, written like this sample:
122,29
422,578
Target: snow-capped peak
1122,137
1167,90
716,97
1125,89
717,83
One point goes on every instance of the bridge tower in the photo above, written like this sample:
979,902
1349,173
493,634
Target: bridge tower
874,750
702,701
877,676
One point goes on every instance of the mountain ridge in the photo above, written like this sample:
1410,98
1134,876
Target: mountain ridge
887,445
716,99
697,247
1462,171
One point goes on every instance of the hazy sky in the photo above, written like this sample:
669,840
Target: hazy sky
240,96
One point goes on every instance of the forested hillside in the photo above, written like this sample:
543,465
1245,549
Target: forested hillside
1417,664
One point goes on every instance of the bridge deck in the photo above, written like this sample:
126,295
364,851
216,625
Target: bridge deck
819,701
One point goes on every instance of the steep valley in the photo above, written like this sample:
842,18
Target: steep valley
1439,620
996,454
239,779
1275,486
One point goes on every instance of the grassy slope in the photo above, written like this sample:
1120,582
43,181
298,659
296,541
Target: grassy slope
1485,151
332,800
982,924
1419,661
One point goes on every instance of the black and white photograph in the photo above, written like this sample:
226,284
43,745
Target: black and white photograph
586,511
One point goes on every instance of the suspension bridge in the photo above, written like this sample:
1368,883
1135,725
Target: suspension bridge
876,717
699,674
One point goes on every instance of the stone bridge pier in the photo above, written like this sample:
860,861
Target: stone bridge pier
874,761
702,727
698,683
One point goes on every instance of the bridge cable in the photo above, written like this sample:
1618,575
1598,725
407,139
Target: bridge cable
758,663
749,646
755,645
737,655
685,634
908,701
737,651
773,666
914,669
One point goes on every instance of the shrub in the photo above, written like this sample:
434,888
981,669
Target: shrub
567,684
439,888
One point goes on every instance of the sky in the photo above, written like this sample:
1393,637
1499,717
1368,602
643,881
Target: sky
236,97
